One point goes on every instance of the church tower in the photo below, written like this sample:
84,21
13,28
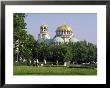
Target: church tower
43,33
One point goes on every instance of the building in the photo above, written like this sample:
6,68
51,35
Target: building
64,35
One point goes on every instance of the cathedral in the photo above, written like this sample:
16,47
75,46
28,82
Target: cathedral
64,35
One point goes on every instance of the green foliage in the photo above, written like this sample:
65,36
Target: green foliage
19,26
19,22
84,52
24,43
80,52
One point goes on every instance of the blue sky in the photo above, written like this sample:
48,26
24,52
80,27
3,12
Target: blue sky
84,25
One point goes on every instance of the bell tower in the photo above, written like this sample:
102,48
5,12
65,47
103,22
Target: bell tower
43,32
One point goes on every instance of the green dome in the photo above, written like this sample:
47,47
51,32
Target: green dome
58,39
40,40
47,41
73,40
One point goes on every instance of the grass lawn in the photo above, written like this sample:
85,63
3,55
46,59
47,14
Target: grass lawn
30,70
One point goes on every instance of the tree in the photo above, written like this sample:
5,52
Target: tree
92,53
62,53
18,33
19,26
27,43
83,52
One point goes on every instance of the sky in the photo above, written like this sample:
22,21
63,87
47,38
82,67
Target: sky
84,25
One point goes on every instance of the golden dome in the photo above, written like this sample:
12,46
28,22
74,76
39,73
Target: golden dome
64,27
44,26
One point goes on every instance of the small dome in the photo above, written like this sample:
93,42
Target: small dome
40,40
64,27
58,39
44,26
73,40
47,41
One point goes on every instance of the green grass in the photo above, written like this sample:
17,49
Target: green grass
30,70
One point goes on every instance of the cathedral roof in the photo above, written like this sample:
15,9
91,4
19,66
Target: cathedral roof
73,40
58,39
64,27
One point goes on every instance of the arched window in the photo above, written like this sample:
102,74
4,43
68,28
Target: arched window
67,32
44,27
